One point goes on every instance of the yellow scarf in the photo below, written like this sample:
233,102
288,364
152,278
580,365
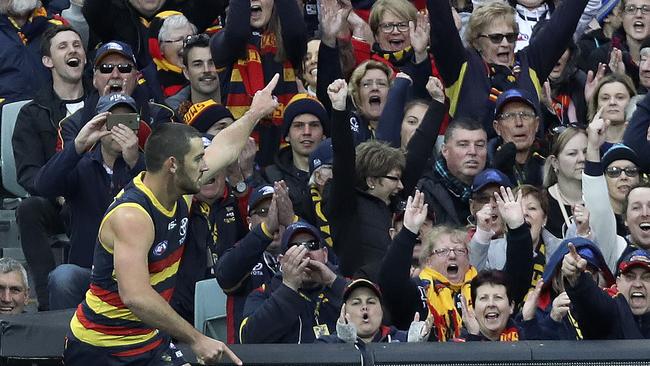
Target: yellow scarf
441,300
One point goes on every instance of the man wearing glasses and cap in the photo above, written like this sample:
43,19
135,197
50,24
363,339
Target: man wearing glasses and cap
114,71
303,302
516,120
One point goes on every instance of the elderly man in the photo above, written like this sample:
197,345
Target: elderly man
516,122
303,301
623,311
114,71
447,187
14,288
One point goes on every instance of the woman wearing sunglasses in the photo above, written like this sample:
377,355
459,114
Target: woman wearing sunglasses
613,176
476,75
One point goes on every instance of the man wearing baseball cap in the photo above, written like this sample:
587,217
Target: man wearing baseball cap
253,261
304,127
623,311
303,301
516,123
114,71
88,174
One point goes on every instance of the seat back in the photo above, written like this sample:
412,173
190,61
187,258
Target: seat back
210,309
7,163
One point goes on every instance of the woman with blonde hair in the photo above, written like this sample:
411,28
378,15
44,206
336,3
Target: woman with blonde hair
563,178
476,75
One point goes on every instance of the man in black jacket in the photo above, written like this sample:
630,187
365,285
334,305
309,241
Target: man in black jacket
34,143
303,302
447,188
305,124
620,312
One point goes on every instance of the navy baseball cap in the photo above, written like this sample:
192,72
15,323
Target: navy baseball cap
109,101
112,47
490,176
322,155
258,195
299,227
516,95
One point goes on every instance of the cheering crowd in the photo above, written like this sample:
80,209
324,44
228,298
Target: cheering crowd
348,170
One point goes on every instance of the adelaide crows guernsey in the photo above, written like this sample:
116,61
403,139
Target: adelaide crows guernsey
102,319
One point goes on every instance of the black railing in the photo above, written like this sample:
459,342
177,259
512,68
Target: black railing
37,339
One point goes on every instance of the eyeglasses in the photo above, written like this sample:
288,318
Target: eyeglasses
122,68
497,38
389,27
615,172
390,177
262,212
444,252
173,40
632,9
483,199
510,116
194,39
379,84
311,245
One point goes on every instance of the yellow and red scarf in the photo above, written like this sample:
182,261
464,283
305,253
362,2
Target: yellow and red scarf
35,25
250,74
441,300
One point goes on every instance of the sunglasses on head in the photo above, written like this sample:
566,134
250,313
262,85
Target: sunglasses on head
496,38
615,172
196,38
108,68
311,245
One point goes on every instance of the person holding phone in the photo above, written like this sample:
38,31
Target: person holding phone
88,174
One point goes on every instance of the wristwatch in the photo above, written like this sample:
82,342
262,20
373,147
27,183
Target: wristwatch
241,187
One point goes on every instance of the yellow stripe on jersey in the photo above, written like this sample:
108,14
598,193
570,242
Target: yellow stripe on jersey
453,91
137,181
105,309
99,339
170,271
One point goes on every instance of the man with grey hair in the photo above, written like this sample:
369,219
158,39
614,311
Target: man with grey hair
14,288
22,23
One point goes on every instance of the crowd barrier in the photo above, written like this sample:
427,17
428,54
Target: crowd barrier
37,339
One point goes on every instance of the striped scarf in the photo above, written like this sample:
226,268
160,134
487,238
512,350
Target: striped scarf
443,300
453,184
251,73
35,25
170,76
